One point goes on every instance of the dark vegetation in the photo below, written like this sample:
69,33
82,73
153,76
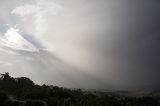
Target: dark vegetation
23,92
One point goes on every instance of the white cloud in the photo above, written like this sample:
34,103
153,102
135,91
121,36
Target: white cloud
67,28
14,40
25,10
37,14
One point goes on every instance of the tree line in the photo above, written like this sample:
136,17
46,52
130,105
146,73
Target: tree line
24,92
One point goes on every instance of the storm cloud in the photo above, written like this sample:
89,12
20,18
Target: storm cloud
103,44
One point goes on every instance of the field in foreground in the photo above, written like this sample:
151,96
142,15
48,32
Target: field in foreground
23,92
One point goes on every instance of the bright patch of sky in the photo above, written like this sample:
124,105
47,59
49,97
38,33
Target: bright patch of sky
12,38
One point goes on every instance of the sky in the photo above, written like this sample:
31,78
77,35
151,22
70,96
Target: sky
104,44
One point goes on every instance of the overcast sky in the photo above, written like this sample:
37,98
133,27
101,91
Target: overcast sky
82,43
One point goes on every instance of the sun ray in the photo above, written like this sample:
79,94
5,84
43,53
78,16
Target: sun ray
12,38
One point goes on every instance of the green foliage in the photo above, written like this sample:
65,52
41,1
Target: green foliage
26,93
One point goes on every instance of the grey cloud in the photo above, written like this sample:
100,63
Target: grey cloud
115,42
